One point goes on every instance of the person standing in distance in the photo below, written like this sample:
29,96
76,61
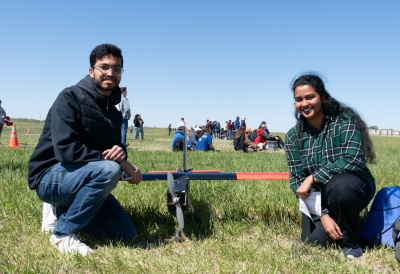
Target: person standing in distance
136,123
229,128
2,116
236,124
182,123
243,122
125,109
169,129
79,158
4,119
141,129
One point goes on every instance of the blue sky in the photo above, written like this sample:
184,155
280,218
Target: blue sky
206,59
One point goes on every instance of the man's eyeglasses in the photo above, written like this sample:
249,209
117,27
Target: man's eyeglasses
105,69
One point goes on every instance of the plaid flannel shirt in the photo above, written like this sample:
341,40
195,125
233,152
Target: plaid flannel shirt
333,149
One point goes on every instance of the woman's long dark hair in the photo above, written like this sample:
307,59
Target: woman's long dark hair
331,107
240,132
136,117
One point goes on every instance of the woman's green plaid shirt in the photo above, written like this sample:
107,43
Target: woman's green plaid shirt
335,148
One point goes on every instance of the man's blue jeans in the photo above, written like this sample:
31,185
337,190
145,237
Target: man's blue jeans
81,193
124,130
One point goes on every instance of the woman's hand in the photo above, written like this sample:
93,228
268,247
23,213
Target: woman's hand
131,170
331,228
303,192
115,153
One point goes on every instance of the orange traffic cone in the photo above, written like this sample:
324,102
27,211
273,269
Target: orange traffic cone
13,138
29,131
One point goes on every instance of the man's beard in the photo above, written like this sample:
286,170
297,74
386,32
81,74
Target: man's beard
105,88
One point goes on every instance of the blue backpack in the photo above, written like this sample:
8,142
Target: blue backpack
382,217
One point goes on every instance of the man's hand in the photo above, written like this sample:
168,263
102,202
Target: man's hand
331,228
116,154
303,192
131,170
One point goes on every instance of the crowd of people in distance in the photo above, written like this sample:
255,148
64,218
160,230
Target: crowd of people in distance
259,139
197,139
244,139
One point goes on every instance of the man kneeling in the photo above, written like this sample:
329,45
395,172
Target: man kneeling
79,158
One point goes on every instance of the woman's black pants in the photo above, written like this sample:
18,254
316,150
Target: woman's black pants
345,197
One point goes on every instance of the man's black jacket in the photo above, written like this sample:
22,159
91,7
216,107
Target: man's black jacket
80,125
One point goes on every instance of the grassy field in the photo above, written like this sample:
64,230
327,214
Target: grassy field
246,226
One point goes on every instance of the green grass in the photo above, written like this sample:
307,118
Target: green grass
246,226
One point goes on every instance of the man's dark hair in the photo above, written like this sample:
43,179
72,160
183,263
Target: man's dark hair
103,50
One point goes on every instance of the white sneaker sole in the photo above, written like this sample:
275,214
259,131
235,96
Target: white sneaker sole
70,245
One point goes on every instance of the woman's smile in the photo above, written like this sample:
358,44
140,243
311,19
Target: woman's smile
309,104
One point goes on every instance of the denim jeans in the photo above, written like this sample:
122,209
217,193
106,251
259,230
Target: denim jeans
81,194
124,130
229,134
137,130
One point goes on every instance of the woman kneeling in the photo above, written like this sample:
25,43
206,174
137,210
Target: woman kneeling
326,152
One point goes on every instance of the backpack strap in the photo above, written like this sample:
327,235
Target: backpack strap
395,233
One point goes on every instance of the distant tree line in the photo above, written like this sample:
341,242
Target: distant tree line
376,128
24,120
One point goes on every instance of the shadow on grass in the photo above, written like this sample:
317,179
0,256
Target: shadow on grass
155,229
198,225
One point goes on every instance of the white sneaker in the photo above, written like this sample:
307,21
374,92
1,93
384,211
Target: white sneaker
70,244
49,218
